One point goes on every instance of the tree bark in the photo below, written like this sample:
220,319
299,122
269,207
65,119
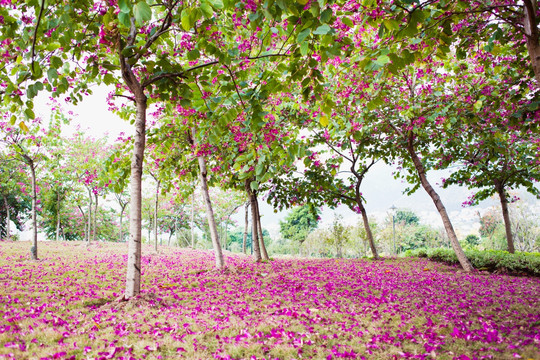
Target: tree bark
156,205
367,227
94,233
210,212
58,215
89,219
532,36
465,263
192,220
246,223
506,216
8,218
133,277
121,232
34,249
264,253
254,229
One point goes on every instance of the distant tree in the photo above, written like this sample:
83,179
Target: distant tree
472,239
407,217
338,235
299,223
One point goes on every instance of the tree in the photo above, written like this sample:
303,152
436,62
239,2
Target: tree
407,217
27,148
299,223
338,235
15,204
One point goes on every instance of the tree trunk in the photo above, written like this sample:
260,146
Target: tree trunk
121,232
506,216
532,36
254,228
89,219
339,254
94,233
34,248
58,215
210,212
246,223
465,263
133,277
156,205
264,253
193,220
367,227
8,218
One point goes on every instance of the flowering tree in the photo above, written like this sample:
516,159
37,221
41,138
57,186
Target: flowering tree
14,203
27,147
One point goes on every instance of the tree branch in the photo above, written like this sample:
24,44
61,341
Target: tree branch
34,40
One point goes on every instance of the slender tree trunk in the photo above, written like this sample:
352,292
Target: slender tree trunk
133,276
89,219
34,249
176,229
8,218
156,205
506,216
367,227
532,36
264,253
58,216
94,233
193,220
84,220
254,228
210,212
121,230
246,223
465,263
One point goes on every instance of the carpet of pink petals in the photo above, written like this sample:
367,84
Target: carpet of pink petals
65,306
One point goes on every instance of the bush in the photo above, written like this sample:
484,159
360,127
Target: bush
490,260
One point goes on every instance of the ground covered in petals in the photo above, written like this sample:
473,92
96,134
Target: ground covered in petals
65,306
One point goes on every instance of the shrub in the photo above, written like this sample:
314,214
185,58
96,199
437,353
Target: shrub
490,260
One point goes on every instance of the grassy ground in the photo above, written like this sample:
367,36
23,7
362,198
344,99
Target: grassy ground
64,306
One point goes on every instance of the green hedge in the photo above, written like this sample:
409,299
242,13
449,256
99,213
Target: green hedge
489,260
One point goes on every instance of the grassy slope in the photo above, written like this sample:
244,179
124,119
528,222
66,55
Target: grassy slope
63,306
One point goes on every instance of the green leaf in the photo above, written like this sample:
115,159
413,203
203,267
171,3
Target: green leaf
207,10
184,19
478,105
56,62
322,30
254,185
193,54
142,12
391,25
347,22
326,15
124,6
304,47
382,60
29,114
124,19
216,4
52,74
303,35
